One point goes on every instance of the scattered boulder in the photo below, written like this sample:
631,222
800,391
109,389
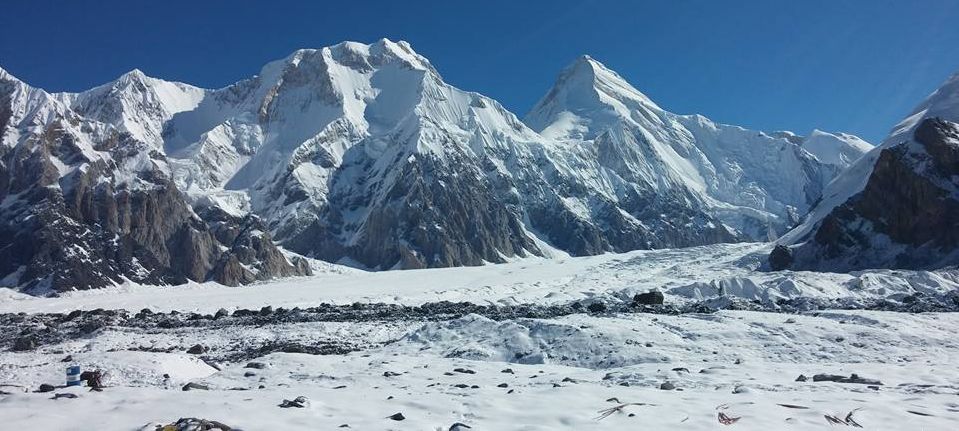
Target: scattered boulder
502,385
854,378
68,396
596,307
25,343
464,371
667,386
298,402
195,386
802,378
459,426
653,297
396,416
195,424
390,374
256,365
780,258
507,371
197,349
46,388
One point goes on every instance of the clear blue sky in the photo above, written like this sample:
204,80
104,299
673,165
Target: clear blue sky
856,66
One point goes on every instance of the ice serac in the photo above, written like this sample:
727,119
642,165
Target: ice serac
755,184
88,202
897,206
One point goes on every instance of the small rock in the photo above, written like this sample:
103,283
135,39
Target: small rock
68,396
507,371
396,416
197,349
69,358
298,402
502,385
464,371
569,380
256,365
802,378
459,426
249,374
195,386
681,370
649,344
390,374
46,388
741,390
667,386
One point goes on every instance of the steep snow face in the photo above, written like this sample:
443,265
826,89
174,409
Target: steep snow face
755,183
881,211
837,149
136,104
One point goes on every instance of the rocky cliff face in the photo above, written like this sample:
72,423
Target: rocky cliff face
86,205
897,207
906,216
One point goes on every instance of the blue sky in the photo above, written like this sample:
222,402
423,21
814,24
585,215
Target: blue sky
855,66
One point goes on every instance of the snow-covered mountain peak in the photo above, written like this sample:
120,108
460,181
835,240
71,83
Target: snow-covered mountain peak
6,76
136,103
586,100
837,149
942,103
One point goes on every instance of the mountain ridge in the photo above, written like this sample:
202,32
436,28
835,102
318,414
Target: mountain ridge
362,153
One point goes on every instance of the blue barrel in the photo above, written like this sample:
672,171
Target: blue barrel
73,375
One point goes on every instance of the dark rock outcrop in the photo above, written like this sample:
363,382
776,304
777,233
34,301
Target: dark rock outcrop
780,258
906,216
653,297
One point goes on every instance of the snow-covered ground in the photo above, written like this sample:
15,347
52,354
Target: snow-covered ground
565,370
683,274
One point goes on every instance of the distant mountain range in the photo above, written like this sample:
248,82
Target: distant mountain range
362,154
